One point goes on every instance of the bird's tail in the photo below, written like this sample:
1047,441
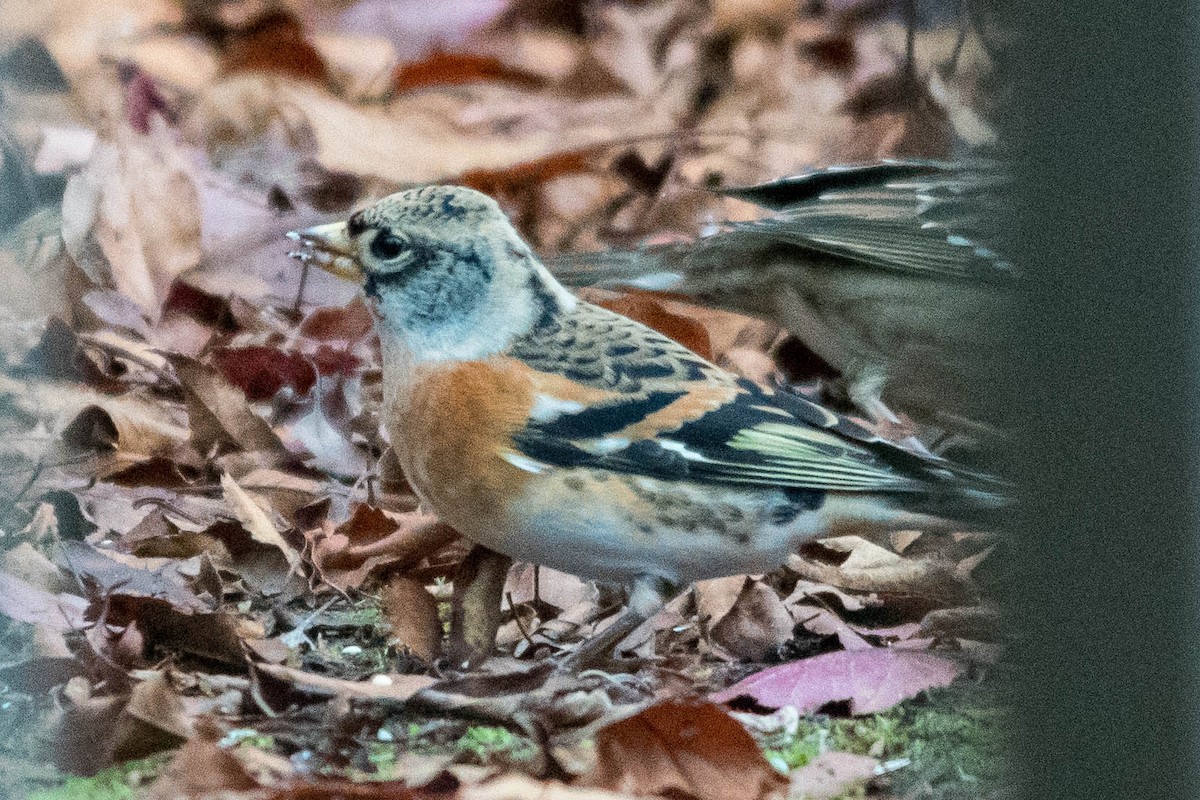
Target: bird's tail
969,498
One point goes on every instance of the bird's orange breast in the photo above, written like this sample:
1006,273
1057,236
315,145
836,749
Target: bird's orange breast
449,429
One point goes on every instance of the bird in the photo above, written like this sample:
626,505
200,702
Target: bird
554,431
888,271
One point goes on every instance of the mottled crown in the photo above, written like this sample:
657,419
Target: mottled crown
432,205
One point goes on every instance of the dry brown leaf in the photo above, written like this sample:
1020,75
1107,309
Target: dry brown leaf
714,597
109,573
560,589
416,139
131,218
831,774
129,430
413,614
156,702
870,568
380,687
684,749
514,786
274,43
453,69
220,417
27,603
201,768
372,539
26,563
850,602
257,521
823,622
756,624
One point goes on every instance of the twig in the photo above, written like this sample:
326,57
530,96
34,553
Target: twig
910,39
304,267
517,619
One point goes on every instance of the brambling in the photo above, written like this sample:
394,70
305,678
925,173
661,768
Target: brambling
557,432
883,270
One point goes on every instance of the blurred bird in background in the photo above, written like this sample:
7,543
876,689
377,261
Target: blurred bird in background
886,271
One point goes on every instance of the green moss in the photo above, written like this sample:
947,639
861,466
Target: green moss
953,742
486,744
118,782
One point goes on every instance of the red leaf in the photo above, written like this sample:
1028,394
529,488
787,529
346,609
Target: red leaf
261,372
348,323
275,43
200,305
453,69
525,175
871,680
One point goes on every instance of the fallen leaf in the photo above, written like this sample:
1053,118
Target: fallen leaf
865,567
156,702
200,768
274,43
220,417
413,614
871,681
256,521
453,69
684,749
380,687
831,774
348,323
27,603
131,218
850,602
372,539
109,573
260,372
823,622
128,429
513,786
756,624
475,615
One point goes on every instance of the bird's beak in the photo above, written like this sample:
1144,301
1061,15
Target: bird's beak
329,247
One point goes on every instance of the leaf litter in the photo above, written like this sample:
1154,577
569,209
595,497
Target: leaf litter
209,548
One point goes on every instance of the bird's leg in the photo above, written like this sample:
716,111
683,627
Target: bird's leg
648,595
475,611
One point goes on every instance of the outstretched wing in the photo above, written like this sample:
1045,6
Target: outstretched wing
915,217
920,217
628,399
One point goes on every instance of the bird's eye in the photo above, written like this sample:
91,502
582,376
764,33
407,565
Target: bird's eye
385,247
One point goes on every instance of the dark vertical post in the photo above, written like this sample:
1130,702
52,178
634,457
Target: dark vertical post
1100,382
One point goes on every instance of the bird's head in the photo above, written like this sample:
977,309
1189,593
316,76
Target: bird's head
450,276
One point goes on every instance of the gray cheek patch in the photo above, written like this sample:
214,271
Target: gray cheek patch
439,284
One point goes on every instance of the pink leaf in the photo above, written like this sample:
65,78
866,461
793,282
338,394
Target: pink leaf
871,680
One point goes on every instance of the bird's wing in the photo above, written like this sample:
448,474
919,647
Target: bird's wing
913,217
613,394
918,217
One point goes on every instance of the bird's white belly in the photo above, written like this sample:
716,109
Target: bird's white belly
595,531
